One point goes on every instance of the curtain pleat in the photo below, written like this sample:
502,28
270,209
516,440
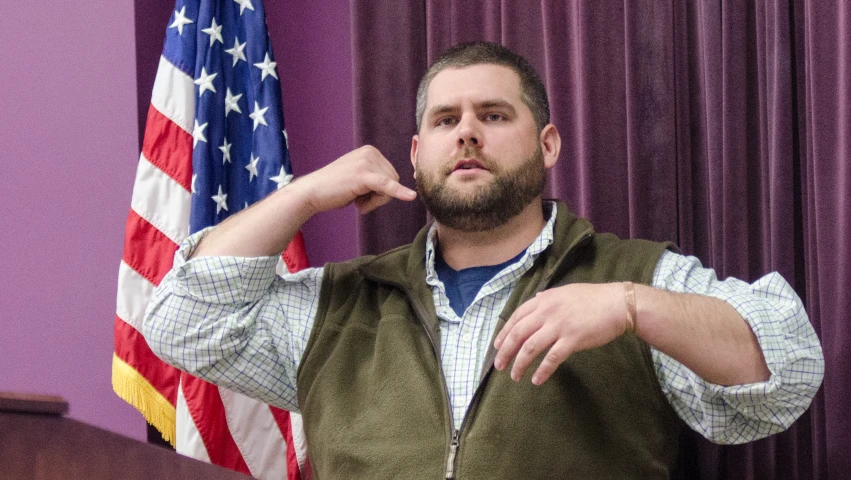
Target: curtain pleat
723,126
827,159
389,57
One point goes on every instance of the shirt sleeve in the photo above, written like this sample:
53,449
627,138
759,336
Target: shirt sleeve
234,322
743,413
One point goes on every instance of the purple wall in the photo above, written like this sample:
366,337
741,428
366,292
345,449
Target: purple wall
69,153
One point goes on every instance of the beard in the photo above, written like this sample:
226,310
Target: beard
487,206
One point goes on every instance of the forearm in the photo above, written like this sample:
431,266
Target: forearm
362,177
789,346
705,334
264,229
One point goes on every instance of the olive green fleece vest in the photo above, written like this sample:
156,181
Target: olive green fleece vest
375,405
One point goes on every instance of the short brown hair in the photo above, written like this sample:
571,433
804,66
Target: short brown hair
532,90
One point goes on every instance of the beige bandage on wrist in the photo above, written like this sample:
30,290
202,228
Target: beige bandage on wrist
631,313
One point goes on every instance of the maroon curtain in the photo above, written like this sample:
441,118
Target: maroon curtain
725,127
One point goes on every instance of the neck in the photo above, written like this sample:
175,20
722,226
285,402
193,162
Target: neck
490,247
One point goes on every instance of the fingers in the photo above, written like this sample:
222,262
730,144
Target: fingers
369,202
515,332
521,311
531,330
568,318
536,344
384,185
379,190
524,338
363,177
557,354
380,181
376,160
369,160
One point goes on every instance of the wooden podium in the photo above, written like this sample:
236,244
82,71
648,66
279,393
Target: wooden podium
37,443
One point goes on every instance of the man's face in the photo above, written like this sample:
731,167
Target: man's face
477,159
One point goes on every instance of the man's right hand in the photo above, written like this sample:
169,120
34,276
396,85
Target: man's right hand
363,177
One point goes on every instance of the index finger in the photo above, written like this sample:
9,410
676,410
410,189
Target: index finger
385,185
525,309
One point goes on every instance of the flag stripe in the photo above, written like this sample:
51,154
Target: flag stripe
208,412
132,348
294,256
173,95
166,145
284,422
299,444
161,200
188,440
134,292
256,433
153,261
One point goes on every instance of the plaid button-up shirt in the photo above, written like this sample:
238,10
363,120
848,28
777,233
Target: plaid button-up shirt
234,322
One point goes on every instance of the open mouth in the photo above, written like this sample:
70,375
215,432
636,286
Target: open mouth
468,164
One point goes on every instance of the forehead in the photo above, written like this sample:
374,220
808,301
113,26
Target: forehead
474,83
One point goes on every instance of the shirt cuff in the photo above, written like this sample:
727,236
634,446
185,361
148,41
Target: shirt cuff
789,345
777,318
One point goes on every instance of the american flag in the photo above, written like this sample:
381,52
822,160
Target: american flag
215,142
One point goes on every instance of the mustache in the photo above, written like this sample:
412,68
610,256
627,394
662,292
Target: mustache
469,153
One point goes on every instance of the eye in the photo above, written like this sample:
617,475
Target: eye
445,121
494,117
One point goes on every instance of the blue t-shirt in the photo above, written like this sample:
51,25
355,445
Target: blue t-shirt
462,286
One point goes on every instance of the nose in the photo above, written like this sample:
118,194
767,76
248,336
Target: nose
469,133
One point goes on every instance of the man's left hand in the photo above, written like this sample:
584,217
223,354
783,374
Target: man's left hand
565,319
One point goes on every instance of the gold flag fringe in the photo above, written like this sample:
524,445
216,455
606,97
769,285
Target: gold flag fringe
134,389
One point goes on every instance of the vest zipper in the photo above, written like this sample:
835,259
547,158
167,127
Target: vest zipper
456,434
453,450
420,312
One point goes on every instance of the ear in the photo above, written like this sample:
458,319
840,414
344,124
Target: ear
414,146
550,144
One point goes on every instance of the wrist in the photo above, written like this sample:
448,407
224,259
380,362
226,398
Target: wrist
298,199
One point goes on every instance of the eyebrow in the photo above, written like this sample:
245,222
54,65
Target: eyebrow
496,103
483,105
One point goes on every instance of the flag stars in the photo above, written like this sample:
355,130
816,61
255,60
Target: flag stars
286,138
180,20
267,67
258,115
243,4
221,201
198,133
225,148
194,179
232,103
205,82
252,167
237,51
282,179
215,33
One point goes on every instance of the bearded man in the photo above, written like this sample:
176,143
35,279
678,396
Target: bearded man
508,340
